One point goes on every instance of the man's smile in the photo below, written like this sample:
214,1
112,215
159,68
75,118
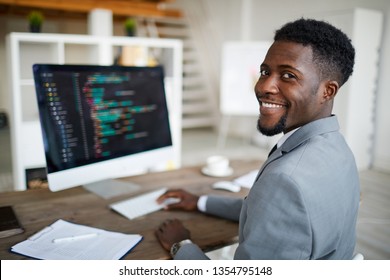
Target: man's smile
270,105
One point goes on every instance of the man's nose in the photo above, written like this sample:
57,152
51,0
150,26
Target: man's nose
267,85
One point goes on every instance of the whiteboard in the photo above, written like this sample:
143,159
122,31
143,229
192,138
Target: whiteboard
239,73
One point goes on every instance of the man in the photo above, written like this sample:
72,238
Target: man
304,201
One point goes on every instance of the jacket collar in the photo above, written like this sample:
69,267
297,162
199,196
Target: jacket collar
309,130
304,133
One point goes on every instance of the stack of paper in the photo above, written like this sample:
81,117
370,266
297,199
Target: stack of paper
68,241
247,180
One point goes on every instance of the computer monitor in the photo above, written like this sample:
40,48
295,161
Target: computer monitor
101,122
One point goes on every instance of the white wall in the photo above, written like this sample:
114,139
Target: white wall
223,24
381,151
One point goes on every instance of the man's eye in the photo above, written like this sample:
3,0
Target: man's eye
263,72
288,76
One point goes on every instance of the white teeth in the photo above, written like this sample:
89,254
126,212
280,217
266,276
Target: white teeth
270,105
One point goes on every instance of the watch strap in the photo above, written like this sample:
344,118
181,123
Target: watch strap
176,246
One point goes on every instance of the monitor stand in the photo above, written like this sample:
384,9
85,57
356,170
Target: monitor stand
111,188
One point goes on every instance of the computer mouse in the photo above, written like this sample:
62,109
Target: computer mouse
226,185
171,200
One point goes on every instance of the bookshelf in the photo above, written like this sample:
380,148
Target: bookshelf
25,49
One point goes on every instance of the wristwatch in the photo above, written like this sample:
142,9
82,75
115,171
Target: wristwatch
176,246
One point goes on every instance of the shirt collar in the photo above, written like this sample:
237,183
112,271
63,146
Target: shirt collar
285,137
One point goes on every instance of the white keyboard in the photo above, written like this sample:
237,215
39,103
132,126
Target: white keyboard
141,205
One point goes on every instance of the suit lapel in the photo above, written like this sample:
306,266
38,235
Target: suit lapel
300,136
273,156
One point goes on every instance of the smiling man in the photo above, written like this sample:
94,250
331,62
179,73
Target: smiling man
304,201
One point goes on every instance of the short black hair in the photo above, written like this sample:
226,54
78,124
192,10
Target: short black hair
332,49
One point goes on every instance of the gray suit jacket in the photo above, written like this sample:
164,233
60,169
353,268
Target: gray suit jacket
303,204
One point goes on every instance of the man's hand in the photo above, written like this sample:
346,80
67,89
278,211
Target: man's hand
187,201
170,232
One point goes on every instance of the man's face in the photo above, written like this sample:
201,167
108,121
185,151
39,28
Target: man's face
289,89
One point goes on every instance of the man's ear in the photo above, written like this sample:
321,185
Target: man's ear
330,90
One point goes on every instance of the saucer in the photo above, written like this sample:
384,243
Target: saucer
208,172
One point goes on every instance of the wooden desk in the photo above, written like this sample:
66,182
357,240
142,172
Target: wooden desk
39,208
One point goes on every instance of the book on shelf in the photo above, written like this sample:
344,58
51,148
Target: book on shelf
9,223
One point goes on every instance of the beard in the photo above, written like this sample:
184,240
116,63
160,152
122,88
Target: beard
271,131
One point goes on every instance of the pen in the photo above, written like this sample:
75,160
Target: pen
74,237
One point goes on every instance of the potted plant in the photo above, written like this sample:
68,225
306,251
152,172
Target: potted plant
130,26
35,19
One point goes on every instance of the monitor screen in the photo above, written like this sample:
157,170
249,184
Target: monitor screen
101,122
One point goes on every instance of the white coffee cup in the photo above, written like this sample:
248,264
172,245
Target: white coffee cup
217,165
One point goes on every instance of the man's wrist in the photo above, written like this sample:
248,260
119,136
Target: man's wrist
176,246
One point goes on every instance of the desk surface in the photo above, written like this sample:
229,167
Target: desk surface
39,208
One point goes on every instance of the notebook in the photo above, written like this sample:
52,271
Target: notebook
63,240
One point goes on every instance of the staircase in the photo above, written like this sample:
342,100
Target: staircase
197,97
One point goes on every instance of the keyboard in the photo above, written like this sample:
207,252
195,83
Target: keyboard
141,205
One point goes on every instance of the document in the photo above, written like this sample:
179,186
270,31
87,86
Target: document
247,180
68,241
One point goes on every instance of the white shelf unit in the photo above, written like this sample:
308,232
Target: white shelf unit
26,49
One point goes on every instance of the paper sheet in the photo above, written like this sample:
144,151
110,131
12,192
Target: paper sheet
247,180
106,245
